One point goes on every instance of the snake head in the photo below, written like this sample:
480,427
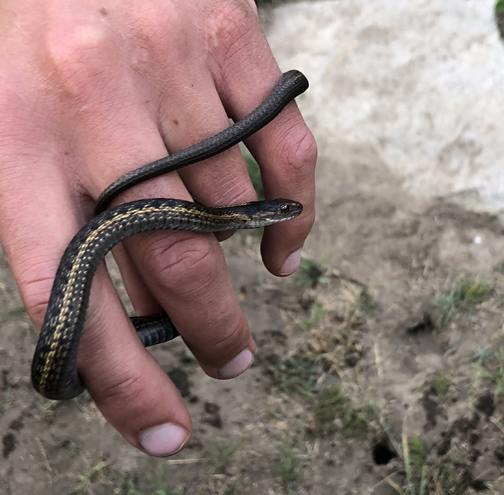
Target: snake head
276,210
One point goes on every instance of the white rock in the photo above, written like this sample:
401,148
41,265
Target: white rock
419,85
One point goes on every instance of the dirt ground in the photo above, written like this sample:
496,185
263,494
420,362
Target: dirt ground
379,368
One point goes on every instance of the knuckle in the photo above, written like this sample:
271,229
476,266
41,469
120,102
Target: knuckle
297,151
225,342
151,16
127,389
229,24
35,292
77,55
149,26
186,263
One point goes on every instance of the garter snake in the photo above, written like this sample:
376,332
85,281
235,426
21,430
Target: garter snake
54,367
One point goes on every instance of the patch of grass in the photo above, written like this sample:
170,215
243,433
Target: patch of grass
289,468
439,384
413,454
254,173
296,374
482,355
310,274
88,478
492,369
187,357
160,490
316,315
5,401
464,295
366,302
151,484
220,456
255,176
417,451
499,17
331,404
475,292
15,313
451,477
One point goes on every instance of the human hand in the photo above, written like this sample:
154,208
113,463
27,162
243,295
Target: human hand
91,91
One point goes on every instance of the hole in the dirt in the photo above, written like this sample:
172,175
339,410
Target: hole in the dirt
382,453
425,325
478,485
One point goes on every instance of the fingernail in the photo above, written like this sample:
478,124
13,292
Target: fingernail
291,263
237,365
163,440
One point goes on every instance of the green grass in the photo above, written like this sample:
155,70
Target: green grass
254,173
87,479
499,16
451,477
255,176
482,355
330,404
296,374
15,313
439,384
152,483
413,454
187,357
219,458
492,369
310,274
316,315
131,489
5,398
289,468
417,451
366,302
464,296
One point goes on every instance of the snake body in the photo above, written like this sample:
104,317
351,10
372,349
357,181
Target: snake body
54,366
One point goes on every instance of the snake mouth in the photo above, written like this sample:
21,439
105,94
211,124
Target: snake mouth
275,211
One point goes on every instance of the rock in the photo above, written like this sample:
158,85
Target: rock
412,91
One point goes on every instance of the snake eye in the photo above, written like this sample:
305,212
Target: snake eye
285,208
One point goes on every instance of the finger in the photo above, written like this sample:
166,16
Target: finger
205,293
140,296
189,117
286,153
287,156
285,149
220,180
129,387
